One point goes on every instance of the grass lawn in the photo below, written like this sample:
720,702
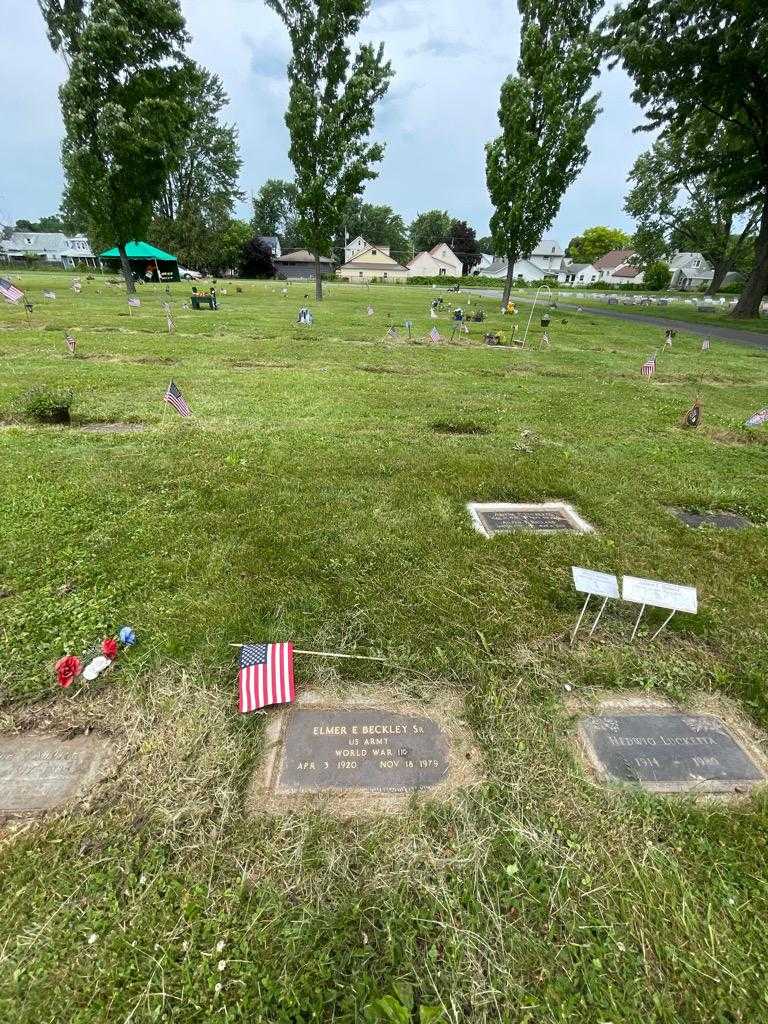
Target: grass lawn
679,308
311,498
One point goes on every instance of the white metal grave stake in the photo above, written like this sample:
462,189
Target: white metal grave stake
578,621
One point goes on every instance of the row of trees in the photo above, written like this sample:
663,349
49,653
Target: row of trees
145,147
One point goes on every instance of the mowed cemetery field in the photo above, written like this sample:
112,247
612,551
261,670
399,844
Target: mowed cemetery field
318,494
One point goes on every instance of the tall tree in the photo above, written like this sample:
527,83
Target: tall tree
123,107
330,114
463,242
544,116
485,244
200,192
689,55
379,225
595,242
274,211
430,228
687,205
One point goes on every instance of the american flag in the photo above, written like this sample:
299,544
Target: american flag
649,367
49,295
70,342
134,300
9,290
266,676
705,345
175,398
435,334
169,318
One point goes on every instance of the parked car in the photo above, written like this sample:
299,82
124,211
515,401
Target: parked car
189,275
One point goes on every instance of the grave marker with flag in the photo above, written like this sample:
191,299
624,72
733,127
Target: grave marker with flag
649,367
9,291
174,397
70,342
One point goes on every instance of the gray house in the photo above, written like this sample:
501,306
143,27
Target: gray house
48,247
300,265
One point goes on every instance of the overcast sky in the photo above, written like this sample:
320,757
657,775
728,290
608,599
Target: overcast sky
449,59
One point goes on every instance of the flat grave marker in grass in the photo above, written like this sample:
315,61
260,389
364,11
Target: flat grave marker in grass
490,518
720,520
40,773
669,752
363,756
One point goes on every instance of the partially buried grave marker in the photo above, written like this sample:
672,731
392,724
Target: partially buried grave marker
720,520
670,752
490,518
40,773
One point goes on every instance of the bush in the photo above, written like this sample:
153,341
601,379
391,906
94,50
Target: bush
47,405
657,276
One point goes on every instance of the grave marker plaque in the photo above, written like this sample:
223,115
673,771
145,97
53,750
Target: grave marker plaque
668,752
720,520
39,773
368,749
490,518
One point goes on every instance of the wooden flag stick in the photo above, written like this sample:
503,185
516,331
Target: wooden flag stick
329,654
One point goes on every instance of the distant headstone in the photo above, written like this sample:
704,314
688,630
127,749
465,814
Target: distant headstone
720,520
669,752
490,518
40,773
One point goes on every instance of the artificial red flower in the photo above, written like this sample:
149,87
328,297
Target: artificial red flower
109,647
67,669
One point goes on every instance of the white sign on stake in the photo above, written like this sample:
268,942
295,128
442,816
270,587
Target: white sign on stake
659,595
589,582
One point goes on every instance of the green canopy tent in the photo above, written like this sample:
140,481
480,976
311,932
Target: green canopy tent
142,257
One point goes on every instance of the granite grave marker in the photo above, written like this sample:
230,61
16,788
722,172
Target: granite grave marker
490,518
40,773
668,752
363,748
720,520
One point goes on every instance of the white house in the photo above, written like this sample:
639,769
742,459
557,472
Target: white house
486,259
358,245
440,261
547,256
372,264
616,267
50,247
578,273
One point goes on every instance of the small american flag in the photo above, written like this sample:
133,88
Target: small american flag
134,300
370,311
70,342
435,334
649,367
169,318
9,290
175,398
49,295
705,345
265,677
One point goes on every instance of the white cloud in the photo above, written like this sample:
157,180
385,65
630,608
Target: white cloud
449,63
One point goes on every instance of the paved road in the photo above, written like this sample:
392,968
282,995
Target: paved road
753,339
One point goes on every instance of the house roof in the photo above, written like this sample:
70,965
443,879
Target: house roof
496,266
300,256
613,259
682,260
138,251
628,271
548,247
431,254
33,241
356,264
574,268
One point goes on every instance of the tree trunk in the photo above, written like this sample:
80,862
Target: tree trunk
748,306
127,273
318,281
721,269
509,280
